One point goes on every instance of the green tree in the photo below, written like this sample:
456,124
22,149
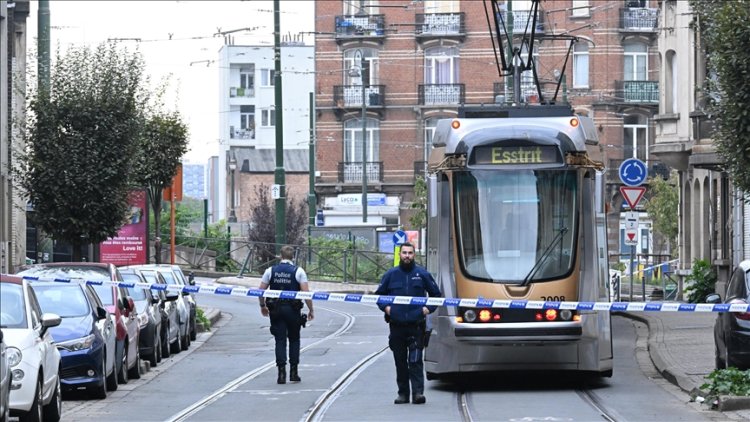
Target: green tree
163,143
81,137
726,37
663,207
419,219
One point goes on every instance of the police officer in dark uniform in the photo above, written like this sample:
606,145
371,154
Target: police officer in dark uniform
407,322
285,314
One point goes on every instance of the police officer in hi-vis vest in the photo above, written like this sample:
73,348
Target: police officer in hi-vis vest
286,316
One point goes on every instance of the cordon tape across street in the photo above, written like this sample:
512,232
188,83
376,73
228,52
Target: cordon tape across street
230,290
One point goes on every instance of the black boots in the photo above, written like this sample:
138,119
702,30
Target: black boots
293,375
401,399
418,399
282,375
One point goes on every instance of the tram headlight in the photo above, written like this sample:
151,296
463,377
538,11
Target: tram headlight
550,314
470,315
485,315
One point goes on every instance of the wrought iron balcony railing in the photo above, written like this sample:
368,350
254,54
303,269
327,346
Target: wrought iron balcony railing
639,19
351,172
241,133
521,19
241,92
360,26
642,92
350,96
440,24
442,94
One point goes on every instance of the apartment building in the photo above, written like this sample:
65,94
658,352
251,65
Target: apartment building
714,218
247,112
403,68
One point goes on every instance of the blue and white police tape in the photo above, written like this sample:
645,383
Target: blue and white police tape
232,290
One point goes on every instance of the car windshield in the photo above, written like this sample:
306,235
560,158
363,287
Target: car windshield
137,293
66,300
12,306
516,225
169,276
150,276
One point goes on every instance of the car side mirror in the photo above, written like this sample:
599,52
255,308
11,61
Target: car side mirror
713,298
131,304
171,297
101,313
49,320
191,278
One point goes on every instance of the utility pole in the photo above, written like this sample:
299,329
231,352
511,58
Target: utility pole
364,138
509,80
279,171
311,205
43,46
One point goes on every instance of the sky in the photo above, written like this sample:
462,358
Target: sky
190,56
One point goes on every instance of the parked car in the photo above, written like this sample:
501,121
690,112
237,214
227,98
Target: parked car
183,303
35,392
116,301
188,281
148,303
4,381
732,329
170,333
86,338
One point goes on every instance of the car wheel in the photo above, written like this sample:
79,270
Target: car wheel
154,358
176,346
165,346
53,409
727,359
122,372
193,332
111,378
184,341
135,371
35,412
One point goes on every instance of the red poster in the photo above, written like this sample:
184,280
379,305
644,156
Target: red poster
130,246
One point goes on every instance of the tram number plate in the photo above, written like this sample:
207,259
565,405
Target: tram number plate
553,298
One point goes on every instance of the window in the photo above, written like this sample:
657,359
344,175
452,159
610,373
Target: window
267,77
581,8
528,87
635,137
442,6
441,65
353,140
635,62
360,7
581,65
359,62
247,78
268,117
429,131
670,84
247,119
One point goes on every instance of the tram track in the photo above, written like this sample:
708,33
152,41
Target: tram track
249,376
593,400
463,406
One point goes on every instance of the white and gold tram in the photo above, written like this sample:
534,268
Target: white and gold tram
515,212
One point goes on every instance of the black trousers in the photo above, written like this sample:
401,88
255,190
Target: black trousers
285,324
407,373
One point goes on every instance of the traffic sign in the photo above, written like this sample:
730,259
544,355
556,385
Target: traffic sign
631,220
631,237
399,238
275,191
633,172
632,195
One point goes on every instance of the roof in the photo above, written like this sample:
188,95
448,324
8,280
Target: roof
264,160
7,278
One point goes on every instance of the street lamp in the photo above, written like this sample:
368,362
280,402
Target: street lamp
232,167
354,72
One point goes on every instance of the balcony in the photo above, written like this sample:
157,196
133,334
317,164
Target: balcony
241,133
639,19
359,27
350,96
520,19
351,172
442,94
439,25
235,92
637,92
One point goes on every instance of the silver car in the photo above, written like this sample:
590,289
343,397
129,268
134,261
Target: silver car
4,381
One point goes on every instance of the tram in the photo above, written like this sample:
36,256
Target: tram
516,212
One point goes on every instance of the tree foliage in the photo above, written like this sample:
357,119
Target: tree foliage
163,142
419,219
723,28
263,222
81,138
663,207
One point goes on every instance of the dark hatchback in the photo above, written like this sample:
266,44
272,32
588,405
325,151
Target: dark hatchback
732,329
85,337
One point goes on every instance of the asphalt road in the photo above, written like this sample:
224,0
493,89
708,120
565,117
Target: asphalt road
229,375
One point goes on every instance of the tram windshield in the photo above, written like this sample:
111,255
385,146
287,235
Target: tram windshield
516,226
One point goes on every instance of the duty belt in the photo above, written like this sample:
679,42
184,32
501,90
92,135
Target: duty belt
406,324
